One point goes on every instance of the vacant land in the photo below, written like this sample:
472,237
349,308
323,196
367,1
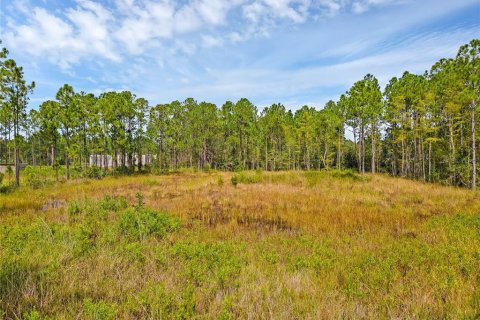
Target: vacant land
285,245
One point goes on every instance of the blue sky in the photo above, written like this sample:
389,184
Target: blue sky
291,51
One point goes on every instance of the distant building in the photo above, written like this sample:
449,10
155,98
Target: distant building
100,160
106,161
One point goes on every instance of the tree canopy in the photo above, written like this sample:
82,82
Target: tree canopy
420,126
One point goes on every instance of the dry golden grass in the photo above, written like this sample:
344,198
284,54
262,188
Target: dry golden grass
283,245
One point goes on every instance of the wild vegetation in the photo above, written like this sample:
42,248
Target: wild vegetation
243,213
420,126
219,245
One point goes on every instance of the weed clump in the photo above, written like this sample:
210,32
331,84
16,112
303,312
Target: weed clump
98,310
37,177
234,180
316,177
206,261
94,172
247,178
137,224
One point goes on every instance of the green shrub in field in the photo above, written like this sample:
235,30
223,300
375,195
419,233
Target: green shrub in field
249,177
94,172
316,177
37,177
208,261
97,208
139,223
32,315
157,302
318,256
85,240
234,180
74,208
9,173
113,203
98,310
4,189
133,251
347,174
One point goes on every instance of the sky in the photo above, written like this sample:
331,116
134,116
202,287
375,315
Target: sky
297,52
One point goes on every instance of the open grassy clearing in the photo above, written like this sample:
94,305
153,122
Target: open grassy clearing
253,245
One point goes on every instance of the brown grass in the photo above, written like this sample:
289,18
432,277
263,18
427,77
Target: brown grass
287,245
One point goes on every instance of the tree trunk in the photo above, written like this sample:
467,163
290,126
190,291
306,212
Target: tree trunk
403,158
474,151
67,163
339,151
430,161
373,148
362,148
452,151
16,151
266,154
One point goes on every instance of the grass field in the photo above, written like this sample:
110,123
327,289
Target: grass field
252,245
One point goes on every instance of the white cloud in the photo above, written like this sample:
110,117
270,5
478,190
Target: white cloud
361,6
226,49
211,41
90,29
83,33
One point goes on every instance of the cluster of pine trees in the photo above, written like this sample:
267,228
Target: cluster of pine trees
420,126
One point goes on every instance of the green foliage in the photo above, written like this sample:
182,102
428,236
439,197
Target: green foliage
94,172
316,177
234,180
220,262
99,310
37,177
248,178
32,315
137,224
419,127
133,251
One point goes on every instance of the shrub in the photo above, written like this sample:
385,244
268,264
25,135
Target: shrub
98,310
85,240
139,223
94,172
206,261
234,180
133,251
1,178
74,208
37,177
9,173
32,315
249,178
113,203
96,208
122,170
346,174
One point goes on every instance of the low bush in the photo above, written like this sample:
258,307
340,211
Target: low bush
247,178
94,172
37,177
137,224
98,310
206,261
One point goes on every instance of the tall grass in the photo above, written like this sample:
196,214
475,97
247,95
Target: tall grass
290,245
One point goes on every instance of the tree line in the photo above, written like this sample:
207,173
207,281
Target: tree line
419,126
